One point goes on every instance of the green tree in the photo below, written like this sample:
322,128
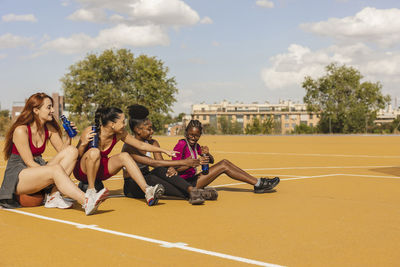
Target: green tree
117,78
345,104
226,126
5,121
260,127
305,129
395,125
209,129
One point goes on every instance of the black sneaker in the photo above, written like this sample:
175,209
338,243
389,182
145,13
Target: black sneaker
266,185
209,193
195,196
98,185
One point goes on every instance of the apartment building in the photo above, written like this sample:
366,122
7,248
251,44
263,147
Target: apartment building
286,114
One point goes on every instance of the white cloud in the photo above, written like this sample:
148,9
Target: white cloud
164,12
380,26
139,12
265,3
2,56
9,40
90,15
13,17
116,37
289,69
206,20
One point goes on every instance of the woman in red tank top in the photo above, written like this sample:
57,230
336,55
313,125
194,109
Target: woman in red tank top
27,172
94,164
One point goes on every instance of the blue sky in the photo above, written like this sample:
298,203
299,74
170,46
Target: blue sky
254,50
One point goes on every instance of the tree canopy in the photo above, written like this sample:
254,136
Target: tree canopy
117,78
345,104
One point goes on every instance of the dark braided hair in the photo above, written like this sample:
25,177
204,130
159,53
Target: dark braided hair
137,115
194,124
104,115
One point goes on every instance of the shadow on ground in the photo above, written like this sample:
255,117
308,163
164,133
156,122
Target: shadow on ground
395,171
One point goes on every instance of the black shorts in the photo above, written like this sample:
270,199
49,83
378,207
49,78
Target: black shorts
193,180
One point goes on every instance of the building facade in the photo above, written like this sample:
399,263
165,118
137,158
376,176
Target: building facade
285,114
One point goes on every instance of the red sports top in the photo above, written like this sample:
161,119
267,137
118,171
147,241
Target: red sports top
36,151
105,153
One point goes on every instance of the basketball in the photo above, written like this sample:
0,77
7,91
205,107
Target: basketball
31,200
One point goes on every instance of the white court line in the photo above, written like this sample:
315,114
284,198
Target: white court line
165,244
311,155
320,167
318,176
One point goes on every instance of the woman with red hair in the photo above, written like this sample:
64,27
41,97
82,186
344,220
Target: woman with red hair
28,173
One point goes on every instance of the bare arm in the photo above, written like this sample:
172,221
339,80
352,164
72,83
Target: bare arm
56,139
130,140
21,142
86,137
140,158
157,155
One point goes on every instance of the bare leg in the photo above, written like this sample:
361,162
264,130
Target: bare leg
90,164
116,162
66,158
32,180
228,168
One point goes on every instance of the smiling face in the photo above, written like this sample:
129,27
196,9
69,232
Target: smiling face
145,130
193,135
46,111
119,125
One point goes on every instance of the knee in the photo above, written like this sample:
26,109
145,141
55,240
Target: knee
72,151
93,154
225,163
56,169
125,157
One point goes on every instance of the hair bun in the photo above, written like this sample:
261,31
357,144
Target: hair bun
138,112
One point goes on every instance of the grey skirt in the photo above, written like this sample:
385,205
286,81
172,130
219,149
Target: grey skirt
15,165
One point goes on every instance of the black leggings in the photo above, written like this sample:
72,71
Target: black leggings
174,186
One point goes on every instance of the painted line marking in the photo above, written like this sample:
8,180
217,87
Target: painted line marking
321,167
310,155
162,243
319,176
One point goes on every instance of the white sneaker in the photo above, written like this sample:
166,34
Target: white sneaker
57,201
153,193
93,199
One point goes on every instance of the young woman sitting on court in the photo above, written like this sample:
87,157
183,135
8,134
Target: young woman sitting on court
94,165
28,173
189,148
164,172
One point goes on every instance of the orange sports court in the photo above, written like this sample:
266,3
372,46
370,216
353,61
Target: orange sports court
338,204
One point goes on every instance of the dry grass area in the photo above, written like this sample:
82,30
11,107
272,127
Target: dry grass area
338,204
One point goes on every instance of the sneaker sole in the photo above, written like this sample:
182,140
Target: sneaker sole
260,191
196,201
159,192
101,199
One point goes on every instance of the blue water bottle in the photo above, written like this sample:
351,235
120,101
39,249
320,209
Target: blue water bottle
67,126
95,142
204,167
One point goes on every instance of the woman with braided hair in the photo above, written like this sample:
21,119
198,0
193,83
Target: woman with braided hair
93,163
163,170
189,148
